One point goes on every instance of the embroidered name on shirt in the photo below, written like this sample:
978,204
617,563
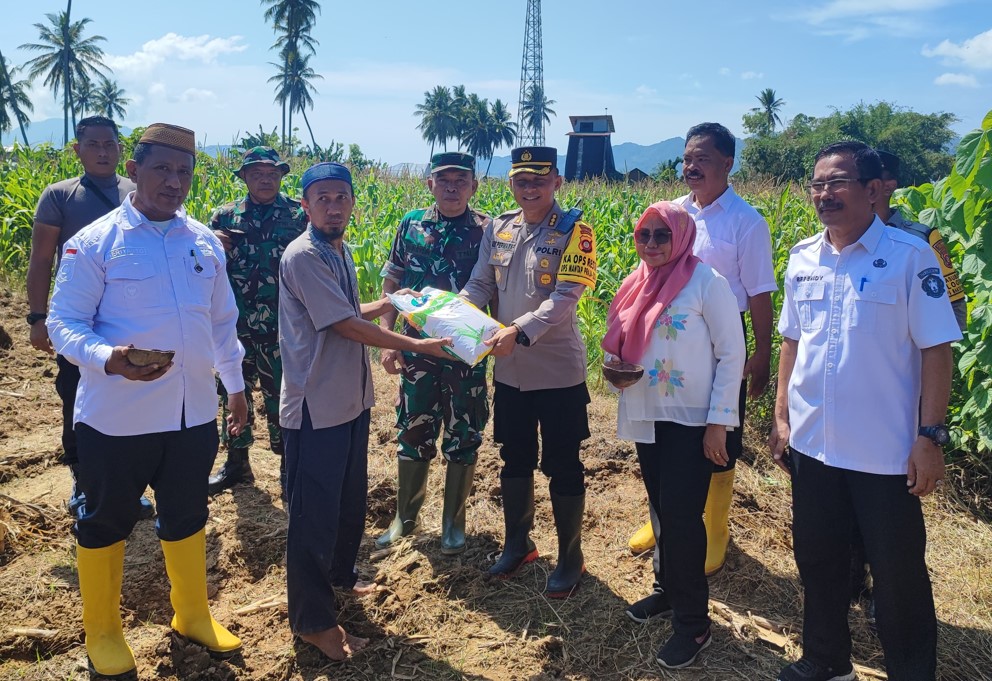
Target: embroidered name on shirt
123,252
812,277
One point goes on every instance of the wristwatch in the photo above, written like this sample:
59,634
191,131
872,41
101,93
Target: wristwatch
36,317
939,434
522,338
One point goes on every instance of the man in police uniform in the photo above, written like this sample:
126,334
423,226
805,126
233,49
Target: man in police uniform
147,275
894,218
64,208
538,259
437,247
866,322
734,239
255,231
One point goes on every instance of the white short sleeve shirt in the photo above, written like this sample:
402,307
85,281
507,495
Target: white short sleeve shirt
733,238
861,317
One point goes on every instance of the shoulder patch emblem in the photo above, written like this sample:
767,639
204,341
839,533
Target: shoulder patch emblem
931,282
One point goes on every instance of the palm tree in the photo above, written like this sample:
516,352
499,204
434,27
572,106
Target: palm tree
14,101
475,125
66,56
770,106
437,117
293,20
535,111
109,100
83,98
300,89
502,130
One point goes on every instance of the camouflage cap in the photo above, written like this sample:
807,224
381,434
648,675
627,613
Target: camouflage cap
452,160
263,156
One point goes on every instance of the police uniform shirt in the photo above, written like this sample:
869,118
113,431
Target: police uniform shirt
861,317
122,281
319,365
520,262
733,239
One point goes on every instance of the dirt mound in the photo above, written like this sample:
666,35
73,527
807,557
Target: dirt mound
435,617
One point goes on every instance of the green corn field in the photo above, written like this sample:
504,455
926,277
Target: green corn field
961,205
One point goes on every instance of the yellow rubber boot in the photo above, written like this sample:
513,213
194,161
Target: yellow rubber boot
643,539
716,517
101,572
186,563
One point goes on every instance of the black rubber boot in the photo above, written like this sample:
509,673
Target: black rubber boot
411,488
568,512
235,470
457,487
518,519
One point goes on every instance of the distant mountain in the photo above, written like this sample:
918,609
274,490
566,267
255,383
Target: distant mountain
626,155
46,131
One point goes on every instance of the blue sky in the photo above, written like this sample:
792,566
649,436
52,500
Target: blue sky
658,67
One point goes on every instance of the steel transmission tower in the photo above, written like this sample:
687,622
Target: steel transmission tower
531,76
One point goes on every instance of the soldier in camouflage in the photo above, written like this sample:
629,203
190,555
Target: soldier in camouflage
438,247
255,231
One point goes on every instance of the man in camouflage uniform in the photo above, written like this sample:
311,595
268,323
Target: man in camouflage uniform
438,247
255,231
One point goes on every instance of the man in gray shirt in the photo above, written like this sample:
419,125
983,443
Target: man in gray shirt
325,406
63,209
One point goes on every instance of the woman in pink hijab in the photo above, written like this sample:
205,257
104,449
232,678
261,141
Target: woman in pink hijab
678,318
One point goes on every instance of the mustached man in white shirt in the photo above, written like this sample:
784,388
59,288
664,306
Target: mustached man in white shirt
863,384
148,276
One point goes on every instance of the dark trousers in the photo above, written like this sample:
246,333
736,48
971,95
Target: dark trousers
677,478
827,501
66,383
328,484
562,417
735,437
113,472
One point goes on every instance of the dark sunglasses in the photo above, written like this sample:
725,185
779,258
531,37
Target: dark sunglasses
660,236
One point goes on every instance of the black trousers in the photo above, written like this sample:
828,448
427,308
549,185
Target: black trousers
735,437
328,483
113,472
563,420
827,501
677,479
66,383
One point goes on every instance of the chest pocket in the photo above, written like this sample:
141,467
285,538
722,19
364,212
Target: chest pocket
131,285
811,306
870,306
201,270
544,269
500,259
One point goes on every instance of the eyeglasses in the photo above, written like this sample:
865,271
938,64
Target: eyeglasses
832,185
660,236
458,184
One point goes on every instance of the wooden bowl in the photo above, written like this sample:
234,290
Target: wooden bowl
622,374
142,358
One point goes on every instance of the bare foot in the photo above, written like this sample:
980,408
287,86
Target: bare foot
355,643
333,643
364,588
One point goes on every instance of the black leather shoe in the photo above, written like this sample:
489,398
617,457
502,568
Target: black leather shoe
235,470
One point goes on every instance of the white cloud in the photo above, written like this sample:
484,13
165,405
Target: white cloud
196,95
645,91
724,71
959,79
975,53
172,46
849,9
156,90
752,75
855,20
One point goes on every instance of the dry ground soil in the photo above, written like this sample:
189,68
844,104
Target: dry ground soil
434,617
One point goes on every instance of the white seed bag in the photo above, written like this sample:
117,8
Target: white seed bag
442,314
